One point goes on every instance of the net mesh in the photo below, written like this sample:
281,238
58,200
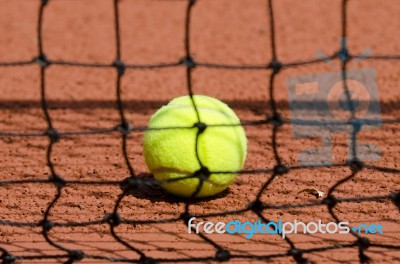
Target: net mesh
134,180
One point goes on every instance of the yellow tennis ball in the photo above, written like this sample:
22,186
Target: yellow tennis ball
171,153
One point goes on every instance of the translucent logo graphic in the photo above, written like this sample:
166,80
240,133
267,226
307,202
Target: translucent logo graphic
320,108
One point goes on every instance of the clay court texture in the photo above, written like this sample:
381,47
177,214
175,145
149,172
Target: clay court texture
75,87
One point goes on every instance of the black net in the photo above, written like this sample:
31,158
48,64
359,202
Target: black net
134,180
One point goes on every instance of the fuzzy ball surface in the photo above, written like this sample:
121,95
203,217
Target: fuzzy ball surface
170,146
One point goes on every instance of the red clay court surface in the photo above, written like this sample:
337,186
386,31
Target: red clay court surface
232,32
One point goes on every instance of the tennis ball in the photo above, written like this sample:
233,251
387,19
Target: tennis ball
171,153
